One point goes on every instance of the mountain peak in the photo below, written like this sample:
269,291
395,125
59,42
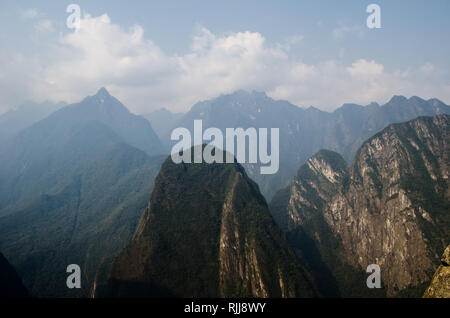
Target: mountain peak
228,246
102,92
313,109
104,101
416,99
397,99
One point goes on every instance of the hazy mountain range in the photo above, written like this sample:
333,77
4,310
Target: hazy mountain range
74,185
303,131
40,158
163,121
15,120
72,190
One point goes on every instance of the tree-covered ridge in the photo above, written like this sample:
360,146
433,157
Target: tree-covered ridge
207,232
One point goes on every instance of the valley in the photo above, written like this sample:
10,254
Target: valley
93,185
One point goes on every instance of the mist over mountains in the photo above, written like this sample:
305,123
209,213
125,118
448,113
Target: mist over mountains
72,189
36,160
224,157
78,187
303,131
15,120
163,121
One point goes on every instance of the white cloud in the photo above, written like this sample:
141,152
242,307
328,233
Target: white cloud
365,69
144,77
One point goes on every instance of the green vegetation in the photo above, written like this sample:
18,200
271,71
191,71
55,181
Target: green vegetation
86,222
176,247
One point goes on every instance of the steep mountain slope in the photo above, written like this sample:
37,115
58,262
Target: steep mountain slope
389,208
85,222
11,285
38,159
304,131
72,188
102,107
207,232
440,284
13,121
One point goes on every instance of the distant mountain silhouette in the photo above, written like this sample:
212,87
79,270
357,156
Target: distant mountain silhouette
53,146
106,109
72,190
304,131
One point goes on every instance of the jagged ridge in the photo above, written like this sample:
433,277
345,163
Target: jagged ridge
207,232
390,208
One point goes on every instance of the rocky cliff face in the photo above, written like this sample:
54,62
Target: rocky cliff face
440,284
207,232
389,208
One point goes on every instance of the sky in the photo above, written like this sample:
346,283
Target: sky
172,54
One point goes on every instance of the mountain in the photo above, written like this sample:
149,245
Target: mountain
243,109
163,121
106,109
40,158
304,131
15,120
440,284
398,109
389,208
85,222
207,232
72,189
10,283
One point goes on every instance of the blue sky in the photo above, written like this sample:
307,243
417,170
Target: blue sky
314,44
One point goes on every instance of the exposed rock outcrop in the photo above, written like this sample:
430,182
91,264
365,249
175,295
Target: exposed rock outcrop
207,232
440,284
390,208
